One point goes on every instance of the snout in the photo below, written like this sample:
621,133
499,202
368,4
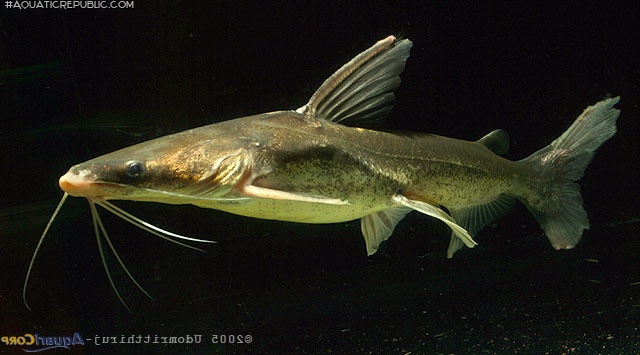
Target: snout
76,185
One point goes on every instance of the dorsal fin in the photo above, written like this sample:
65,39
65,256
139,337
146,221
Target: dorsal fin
363,88
497,141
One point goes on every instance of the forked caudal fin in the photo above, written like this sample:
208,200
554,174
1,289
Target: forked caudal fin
557,203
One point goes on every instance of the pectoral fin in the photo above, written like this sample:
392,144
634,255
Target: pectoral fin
262,192
435,211
378,227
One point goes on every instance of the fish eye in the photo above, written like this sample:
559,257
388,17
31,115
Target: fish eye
134,169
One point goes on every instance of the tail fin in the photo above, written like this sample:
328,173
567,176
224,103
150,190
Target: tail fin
558,203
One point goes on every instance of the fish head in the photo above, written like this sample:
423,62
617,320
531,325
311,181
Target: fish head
202,163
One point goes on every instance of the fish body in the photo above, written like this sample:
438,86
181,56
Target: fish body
314,165
335,173
307,166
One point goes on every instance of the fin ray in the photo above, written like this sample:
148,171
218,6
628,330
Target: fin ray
558,206
362,89
475,218
378,227
438,213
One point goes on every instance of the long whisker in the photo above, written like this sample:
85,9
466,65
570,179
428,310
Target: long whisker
97,223
142,222
98,227
35,253
146,226
115,253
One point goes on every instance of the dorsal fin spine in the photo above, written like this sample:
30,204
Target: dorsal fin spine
338,77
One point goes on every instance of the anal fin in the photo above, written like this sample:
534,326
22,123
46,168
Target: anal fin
475,218
437,212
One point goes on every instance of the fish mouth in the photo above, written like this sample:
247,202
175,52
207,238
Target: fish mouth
78,186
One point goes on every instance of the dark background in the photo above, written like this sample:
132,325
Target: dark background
78,83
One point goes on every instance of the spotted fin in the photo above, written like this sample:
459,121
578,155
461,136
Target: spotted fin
437,212
475,218
378,227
